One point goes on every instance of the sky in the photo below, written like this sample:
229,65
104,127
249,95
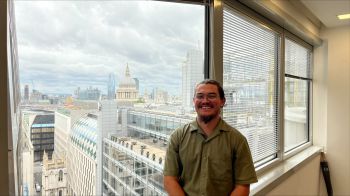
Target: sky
63,45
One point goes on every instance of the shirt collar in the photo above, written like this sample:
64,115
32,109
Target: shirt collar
222,126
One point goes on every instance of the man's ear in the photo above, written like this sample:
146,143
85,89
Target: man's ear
223,102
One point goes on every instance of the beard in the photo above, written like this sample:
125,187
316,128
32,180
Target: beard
207,119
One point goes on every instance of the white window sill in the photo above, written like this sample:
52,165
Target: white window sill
273,177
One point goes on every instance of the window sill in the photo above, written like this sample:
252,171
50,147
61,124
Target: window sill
273,177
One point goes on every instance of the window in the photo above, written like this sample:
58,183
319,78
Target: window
250,64
135,65
297,90
252,49
144,55
60,175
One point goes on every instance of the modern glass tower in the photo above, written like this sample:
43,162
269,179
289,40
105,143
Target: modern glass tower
192,73
111,86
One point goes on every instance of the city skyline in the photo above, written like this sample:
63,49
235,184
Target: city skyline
60,52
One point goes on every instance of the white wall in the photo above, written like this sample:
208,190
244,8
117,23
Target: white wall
305,181
332,104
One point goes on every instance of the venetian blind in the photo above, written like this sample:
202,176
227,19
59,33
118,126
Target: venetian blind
298,59
250,64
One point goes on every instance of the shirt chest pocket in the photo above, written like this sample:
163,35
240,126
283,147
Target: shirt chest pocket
220,167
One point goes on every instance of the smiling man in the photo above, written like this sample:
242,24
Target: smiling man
208,156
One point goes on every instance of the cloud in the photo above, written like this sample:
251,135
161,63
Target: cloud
68,44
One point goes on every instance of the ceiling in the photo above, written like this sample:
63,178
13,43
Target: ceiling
327,10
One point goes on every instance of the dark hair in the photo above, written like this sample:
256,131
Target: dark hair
213,82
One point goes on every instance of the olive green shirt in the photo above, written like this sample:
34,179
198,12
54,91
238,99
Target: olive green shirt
209,166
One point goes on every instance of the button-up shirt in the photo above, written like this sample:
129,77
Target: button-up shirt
209,165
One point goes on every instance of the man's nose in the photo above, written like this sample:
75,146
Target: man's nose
205,99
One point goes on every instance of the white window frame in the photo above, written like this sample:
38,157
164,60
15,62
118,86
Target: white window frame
216,69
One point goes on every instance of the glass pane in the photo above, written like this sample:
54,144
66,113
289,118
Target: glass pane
296,95
296,113
297,59
249,79
118,77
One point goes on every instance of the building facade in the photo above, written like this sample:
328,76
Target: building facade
26,93
133,164
62,130
42,135
81,157
192,73
111,86
25,165
88,94
54,176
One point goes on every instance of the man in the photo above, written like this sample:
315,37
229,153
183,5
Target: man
208,156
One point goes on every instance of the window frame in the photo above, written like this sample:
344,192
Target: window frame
216,70
299,148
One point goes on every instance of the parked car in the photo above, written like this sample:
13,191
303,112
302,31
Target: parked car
37,187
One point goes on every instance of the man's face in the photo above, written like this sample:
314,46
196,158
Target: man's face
207,102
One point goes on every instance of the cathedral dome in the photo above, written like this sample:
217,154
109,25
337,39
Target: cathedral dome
127,92
127,81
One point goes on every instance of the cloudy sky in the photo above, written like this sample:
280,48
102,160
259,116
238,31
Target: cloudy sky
63,45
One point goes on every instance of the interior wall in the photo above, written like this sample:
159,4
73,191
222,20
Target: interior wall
306,180
334,57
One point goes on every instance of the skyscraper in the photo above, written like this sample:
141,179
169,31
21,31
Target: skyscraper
137,83
111,86
26,92
192,73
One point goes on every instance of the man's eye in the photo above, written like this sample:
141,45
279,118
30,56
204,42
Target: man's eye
211,96
199,96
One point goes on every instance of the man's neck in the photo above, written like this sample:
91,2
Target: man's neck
208,127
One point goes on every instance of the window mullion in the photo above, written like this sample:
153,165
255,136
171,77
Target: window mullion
281,104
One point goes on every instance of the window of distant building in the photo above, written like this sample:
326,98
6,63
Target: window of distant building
60,175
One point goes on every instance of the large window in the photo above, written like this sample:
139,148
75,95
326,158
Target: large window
252,49
250,64
132,65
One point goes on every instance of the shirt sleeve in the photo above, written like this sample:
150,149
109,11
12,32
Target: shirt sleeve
244,166
172,164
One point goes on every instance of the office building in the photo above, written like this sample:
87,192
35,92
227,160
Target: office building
192,73
42,135
133,164
88,94
81,157
26,92
111,86
25,165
